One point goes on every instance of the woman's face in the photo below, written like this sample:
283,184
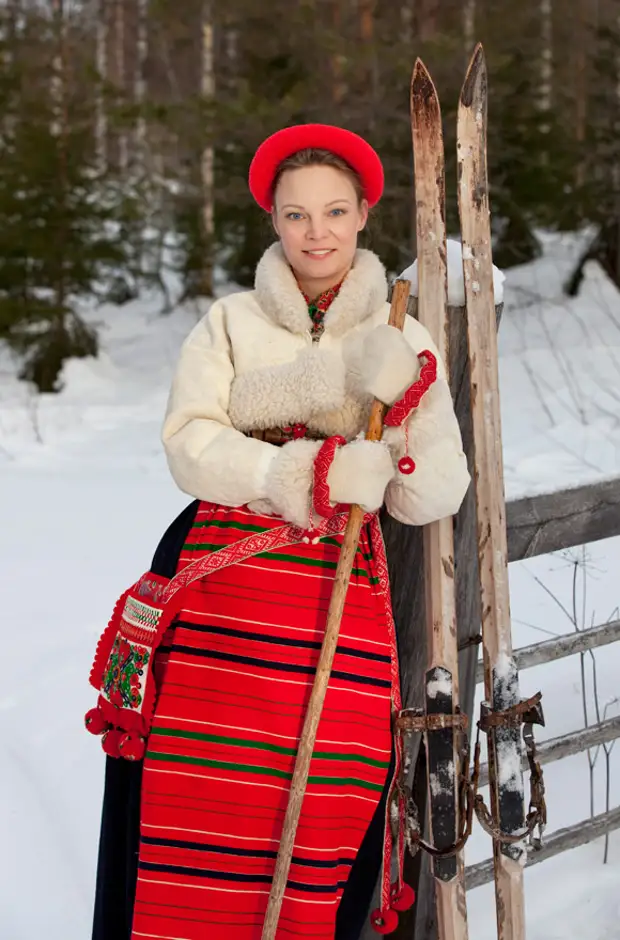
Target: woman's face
318,216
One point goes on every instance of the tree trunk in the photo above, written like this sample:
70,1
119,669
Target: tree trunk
428,19
469,27
119,55
59,131
142,45
367,20
101,121
587,23
406,19
338,86
546,58
208,155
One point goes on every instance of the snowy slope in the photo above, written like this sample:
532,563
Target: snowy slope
85,495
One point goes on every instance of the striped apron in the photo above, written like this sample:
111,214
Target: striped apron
235,673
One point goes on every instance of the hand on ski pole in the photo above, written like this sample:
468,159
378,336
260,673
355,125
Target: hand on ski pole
389,365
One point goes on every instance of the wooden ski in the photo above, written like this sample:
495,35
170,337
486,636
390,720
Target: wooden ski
500,671
441,680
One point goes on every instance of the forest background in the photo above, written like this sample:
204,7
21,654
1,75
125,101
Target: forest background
127,128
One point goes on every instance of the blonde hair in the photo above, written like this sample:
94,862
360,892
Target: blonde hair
312,156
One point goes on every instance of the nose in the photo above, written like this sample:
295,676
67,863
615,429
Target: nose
317,228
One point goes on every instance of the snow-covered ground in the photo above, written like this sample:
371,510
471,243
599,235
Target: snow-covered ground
85,495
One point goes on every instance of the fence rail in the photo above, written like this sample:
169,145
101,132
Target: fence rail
549,650
568,744
562,840
557,748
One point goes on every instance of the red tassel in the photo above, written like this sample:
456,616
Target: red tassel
132,746
385,921
404,899
95,722
110,742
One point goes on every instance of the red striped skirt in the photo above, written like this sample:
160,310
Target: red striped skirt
235,674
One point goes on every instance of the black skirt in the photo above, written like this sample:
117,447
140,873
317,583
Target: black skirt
117,867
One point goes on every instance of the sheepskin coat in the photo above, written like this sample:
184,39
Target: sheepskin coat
251,363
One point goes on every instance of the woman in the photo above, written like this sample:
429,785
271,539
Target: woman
265,427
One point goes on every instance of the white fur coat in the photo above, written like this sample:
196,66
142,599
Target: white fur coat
251,363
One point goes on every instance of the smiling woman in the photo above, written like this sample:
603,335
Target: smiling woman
318,211
265,429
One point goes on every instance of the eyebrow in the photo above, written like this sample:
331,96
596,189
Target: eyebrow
291,205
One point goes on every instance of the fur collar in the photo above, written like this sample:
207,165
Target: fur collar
363,291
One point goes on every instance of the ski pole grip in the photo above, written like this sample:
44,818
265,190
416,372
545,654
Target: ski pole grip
398,312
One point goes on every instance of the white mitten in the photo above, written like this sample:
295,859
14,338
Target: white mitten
289,481
388,364
360,474
289,393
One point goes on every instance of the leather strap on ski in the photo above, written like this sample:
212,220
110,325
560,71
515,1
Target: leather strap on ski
527,713
415,721
514,716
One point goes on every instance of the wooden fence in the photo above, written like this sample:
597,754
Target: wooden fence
536,525
604,732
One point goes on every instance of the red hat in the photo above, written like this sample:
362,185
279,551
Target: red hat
351,147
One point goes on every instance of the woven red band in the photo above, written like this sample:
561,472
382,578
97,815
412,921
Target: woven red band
400,410
320,494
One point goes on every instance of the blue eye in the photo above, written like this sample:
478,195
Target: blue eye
338,212
293,215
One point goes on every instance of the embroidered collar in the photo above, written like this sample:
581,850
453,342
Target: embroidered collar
318,307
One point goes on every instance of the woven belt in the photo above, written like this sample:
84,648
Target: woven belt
279,436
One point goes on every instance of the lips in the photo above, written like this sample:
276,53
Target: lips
320,253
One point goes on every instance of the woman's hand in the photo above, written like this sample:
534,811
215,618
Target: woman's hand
388,364
360,474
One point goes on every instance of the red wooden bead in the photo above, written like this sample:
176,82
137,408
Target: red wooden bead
95,722
110,742
384,921
132,746
406,465
404,899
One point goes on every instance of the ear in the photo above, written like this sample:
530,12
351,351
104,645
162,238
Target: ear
274,221
363,215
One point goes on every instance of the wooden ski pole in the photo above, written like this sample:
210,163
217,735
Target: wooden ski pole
400,299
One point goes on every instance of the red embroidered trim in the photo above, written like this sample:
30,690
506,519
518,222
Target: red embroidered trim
324,301
400,410
320,493
384,916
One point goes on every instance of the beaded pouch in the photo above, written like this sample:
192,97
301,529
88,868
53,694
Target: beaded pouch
122,671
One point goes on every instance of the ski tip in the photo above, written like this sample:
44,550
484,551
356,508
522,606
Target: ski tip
422,86
474,86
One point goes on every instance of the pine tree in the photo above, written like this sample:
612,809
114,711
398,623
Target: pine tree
56,241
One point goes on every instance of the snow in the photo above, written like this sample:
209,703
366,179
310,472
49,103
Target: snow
85,495
509,772
442,685
442,782
456,283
